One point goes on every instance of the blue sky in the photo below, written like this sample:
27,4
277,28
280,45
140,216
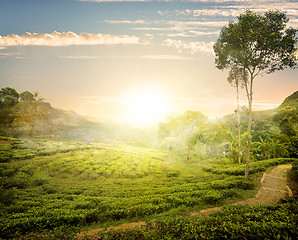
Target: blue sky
92,56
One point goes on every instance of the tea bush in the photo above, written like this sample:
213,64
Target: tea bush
259,166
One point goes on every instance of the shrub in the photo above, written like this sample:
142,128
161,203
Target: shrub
255,167
7,196
295,168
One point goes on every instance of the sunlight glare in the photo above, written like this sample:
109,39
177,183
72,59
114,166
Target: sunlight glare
146,106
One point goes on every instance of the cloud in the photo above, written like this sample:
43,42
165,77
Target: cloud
165,57
194,47
127,21
293,23
193,33
65,39
185,29
78,57
180,25
207,1
10,54
212,12
234,10
198,23
21,77
100,1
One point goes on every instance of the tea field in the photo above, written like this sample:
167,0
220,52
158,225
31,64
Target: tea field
46,184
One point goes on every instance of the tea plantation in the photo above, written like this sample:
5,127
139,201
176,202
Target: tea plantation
48,184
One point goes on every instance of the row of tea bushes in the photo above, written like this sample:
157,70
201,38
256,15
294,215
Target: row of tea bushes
22,149
254,167
278,221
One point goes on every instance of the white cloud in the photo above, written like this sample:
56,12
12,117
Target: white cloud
235,10
10,54
99,1
127,21
7,54
165,57
21,77
213,12
198,23
185,29
65,39
293,23
210,1
182,25
194,47
78,57
193,33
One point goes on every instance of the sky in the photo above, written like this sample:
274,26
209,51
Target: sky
119,59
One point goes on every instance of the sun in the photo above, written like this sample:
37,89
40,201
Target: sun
146,106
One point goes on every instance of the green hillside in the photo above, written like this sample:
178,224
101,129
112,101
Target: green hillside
268,114
291,100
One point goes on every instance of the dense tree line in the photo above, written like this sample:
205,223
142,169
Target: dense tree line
272,137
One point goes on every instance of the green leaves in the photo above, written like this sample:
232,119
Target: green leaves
259,166
258,43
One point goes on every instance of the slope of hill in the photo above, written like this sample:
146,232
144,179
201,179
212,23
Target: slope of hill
291,100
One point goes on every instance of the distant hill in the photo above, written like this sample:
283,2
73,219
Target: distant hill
70,118
70,125
291,100
264,115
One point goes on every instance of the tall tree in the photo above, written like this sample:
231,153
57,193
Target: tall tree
257,44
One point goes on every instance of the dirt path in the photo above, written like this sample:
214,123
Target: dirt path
92,233
273,186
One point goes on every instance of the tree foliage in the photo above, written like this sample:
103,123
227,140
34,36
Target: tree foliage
22,111
257,43
9,98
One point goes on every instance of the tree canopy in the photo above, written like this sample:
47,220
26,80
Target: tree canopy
24,110
257,43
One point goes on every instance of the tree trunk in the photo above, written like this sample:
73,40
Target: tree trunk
239,130
188,153
249,96
249,137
